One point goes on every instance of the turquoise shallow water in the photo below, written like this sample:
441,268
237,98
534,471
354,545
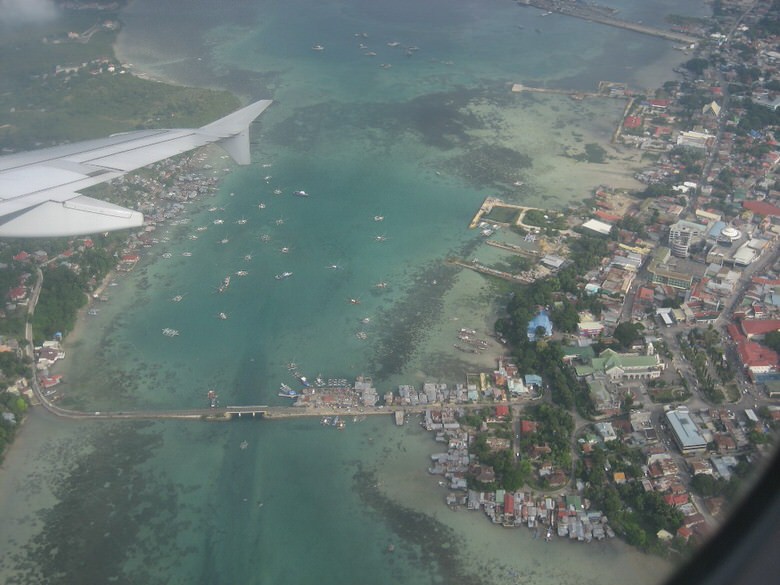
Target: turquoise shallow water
420,143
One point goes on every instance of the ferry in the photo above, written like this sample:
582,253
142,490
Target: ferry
283,275
300,193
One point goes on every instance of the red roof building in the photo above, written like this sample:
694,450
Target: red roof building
527,427
22,256
632,122
756,358
502,410
759,327
509,503
762,208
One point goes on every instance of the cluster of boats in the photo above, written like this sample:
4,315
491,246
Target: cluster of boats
336,421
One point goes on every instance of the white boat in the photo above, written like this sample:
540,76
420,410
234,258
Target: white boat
223,316
361,335
393,44
300,193
382,284
283,275
186,254
248,257
277,191
219,221
225,284
202,228
265,238
167,255
317,48
168,332
224,241
380,238
177,298
379,218
241,221
284,250
242,273
354,301
261,205
279,221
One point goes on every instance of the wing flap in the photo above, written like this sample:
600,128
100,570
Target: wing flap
76,216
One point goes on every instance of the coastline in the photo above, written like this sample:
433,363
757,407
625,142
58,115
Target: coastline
406,483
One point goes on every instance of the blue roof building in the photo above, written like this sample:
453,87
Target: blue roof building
542,319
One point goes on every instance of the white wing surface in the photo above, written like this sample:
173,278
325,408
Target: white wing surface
40,190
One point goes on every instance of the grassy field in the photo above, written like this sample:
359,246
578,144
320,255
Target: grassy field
40,106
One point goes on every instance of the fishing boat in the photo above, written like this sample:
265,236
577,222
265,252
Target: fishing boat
354,301
283,275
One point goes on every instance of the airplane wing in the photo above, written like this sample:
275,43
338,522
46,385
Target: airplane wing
39,190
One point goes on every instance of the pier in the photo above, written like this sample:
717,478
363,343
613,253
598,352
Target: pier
482,269
593,14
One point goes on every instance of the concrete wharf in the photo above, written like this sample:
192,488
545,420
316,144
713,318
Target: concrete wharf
482,269
514,248
593,14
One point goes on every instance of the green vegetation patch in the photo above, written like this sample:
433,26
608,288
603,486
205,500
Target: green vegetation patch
501,214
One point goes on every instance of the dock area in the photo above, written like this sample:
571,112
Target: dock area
600,16
482,269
